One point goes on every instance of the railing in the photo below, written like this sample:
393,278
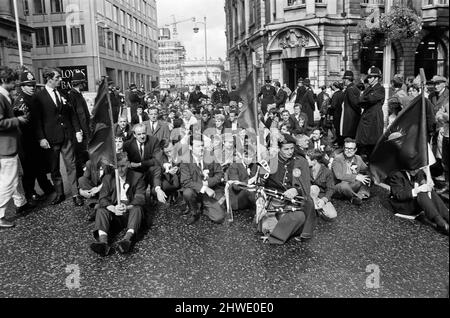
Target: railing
373,2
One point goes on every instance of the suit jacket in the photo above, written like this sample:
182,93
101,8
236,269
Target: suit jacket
192,175
323,144
336,108
152,153
308,105
80,111
341,170
371,124
9,129
325,181
439,101
126,134
234,96
135,192
56,124
401,197
194,98
299,92
162,131
280,98
268,95
238,172
135,118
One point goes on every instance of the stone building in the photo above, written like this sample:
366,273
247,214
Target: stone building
117,38
172,55
9,48
194,72
319,39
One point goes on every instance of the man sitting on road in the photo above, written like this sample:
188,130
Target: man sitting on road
127,212
350,173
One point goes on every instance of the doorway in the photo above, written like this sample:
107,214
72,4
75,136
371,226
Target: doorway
294,69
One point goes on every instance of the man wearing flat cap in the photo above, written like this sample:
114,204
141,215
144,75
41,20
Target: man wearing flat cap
268,94
371,125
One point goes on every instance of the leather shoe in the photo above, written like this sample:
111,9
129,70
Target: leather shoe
193,218
356,200
78,200
25,208
100,248
6,224
58,199
37,197
124,246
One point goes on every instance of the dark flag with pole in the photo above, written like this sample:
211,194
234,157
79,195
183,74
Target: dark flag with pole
404,145
246,118
101,145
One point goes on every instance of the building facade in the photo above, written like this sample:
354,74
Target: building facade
194,71
9,47
172,55
319,39
117,38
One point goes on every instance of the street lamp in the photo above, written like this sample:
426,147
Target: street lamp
98,45
196,29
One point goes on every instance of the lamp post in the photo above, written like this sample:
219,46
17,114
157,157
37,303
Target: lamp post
206,49
98,45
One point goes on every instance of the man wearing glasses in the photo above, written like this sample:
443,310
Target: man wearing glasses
56,124
350,175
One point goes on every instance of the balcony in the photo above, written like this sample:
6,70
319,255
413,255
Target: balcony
435,13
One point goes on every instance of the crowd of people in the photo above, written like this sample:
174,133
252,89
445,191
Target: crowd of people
193,149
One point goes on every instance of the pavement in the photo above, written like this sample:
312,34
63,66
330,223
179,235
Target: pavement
365,252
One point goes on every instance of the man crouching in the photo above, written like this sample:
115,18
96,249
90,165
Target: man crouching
128,212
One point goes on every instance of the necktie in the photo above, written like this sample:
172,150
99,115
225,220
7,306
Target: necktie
142,150
153,127
58,101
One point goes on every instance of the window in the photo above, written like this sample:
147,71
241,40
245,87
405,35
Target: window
115,14
130,20
56,6
146,53
117,43
122,18
109,35
136,51
42,38
39,6
141,52
108,10
124,45
134,24
295,2
251,8
26,8
101,36
59,35
130,48
77,35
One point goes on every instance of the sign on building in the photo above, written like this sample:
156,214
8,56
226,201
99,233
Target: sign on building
67,73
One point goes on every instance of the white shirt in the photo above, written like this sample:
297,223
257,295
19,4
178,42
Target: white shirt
123,189
153,125
5,93
51,92
139,148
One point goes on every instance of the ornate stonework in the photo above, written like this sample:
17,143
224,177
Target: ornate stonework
293,38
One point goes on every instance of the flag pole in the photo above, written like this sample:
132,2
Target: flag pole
19,37
387,68
423,124
116,170
255,106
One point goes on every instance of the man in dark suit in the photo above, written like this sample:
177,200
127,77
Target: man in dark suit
220,96
280,97
82,115
144,153
157,128
127,212
267,93
299,91
411,194
140,116
308,102
196,96
56,125
351,112
122,128
202,183
234,95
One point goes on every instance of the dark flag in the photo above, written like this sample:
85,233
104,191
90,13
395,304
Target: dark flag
404,144
247,117
101,146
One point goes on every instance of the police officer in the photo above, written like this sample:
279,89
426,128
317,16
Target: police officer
32,157
81,111
268,94
220,96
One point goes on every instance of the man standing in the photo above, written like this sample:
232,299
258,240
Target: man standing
157,128
196,96
234,95
299,91
55,126
268,95
370,127
32,157
9,159
220,96
280,97
351,112
308,102
82,115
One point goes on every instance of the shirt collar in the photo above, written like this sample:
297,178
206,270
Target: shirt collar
5,93
49,89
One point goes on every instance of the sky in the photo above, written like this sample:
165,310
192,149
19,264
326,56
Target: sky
195,42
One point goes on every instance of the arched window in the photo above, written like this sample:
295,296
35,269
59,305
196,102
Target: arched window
431,55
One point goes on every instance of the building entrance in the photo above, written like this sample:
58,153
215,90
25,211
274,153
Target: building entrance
294,69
